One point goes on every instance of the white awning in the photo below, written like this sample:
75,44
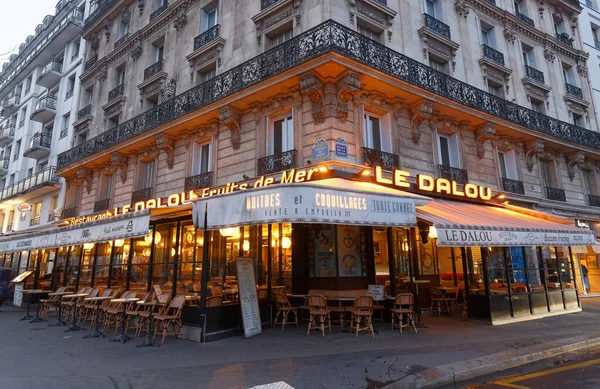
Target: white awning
333,201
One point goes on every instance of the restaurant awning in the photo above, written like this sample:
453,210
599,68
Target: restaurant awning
464,224
333,201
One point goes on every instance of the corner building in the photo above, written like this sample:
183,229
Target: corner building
439,111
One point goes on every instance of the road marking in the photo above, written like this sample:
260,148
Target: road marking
509,382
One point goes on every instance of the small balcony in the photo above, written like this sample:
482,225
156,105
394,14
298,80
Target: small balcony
555,194
7,135
534,74
437,26
4,163
574,91
141,195
45,109
39,145
116,93
199,181
526,19
276,162
512,186
102,205
90,62
207,36
10,105
454,174
593,200
493,54
70,212
565,38
38,184
387,161
121,40
159,11
51,74
153,69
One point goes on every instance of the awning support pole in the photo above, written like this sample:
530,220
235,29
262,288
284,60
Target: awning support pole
205,261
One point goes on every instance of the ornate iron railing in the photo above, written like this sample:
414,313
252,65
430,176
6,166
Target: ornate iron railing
525,19
555,194
565,38
102,205
207,36
493,54
90,62
453,173
118,91
153,69
324,38
8,131
141,195
69,212
159,10
103,7
45,177
41,139
574,91
199,181
436,26
387,161
276,162
593,200
85,111
121,40
46,102
69,94
534,74
512,186
4,162
54,65
267,3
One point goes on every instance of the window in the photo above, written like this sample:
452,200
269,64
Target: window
369,33
146,179
508,166
440,66
488,35
448,150
202,158
209,19
106,186
578,120
549,173
281,135
377,134
495,89
278,38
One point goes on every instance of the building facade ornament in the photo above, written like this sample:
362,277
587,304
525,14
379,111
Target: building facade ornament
576,158
419,113
312,87
166,144
348,87
533,149
483,133
230,118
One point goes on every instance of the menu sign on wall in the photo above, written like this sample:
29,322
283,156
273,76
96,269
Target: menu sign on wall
248,297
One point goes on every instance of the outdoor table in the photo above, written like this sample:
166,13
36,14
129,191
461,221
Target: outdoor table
98,300
123,337
28,315
74,326
59,322
148,341
417,305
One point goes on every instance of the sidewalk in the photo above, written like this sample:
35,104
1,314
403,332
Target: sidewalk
37,356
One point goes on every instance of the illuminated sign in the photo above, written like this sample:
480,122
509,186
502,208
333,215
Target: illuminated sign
24,207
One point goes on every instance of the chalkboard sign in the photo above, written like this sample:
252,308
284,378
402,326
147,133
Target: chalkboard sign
247,295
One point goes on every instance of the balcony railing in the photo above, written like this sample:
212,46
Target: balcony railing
159,10
121,40
4,162
153,69
54,65
387,161
207,36
276,162
90,62
555,194
102,205
436,26
534,74
199,181
316,42
525,19
46,102
103,7
512,186
593,200
493,54
267,3
41,139
34,221
118,91
574,91
70,212
85,111
453,173
45,177
141,195
565,38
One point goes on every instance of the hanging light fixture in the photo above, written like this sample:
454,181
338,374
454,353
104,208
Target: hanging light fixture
119,242
228,232
286,242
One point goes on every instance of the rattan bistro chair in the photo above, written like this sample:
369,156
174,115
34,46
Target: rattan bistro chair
318,310
363,312
403,305
284,308
171,316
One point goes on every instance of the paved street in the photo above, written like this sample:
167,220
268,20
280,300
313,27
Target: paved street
37,356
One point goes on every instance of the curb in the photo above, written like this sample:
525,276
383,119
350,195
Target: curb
477,367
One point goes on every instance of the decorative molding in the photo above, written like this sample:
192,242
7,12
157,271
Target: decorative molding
348,87
533,149
483,133
230,118
85,175
419,113
462,8
576,158
166,144
312,87
119,161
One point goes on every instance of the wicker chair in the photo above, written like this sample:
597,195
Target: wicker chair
318,311
403,305
284,308
362,312
171,316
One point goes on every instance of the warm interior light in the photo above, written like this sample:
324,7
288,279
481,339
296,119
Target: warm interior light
119,242
286,242
88,246
365,172
433,232
227,232
246,245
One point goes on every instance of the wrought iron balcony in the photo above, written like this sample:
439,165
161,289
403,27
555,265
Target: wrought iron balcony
574,91
387,161
276,162
45,177
493,54
153,69
453,173
121,40
117,92
555,194
593,200
534,74
141,195
199,181
103,7
159,10
85,111
349,44
525,19
512,186
206,37
90,62
565,38
267,3
436,26
7,135
102,205
69,212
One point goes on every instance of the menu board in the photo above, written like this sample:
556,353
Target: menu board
324,250
247,295
349,251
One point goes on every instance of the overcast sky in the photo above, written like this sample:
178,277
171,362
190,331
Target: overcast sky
18,19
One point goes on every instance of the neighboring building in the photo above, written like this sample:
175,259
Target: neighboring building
182,96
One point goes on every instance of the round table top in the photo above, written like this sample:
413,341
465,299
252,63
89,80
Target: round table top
36,291
59,293
150,303
99,298
125,300
73,296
